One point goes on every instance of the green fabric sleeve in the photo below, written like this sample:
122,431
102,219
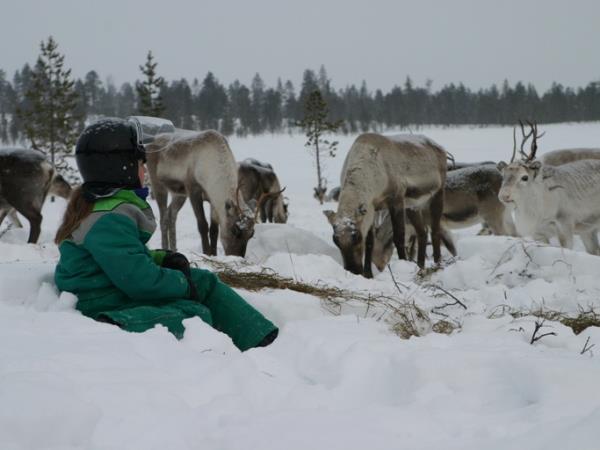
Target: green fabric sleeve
114,243
158,256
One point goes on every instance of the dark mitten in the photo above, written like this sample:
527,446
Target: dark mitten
177,261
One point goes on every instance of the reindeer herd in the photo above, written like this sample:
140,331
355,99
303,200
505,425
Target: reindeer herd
394,191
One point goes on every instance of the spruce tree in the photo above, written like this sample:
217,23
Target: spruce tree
257,116
49,113
149,99
227,124
211,102
125,100
315,125
3,108
93,91
290,104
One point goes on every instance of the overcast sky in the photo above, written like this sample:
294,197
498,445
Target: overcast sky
478,42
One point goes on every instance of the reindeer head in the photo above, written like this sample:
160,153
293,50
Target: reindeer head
349,235
269,207
280,207
285,202
239,226
59,186
520,177
319,192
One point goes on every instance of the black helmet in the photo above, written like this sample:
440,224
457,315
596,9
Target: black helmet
107,155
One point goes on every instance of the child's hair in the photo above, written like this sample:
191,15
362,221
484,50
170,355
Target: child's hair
77,210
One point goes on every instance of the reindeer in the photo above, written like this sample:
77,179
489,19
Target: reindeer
399,173
552,200
259,184
334,193
461,165
567,155
470,197
201,166
25,180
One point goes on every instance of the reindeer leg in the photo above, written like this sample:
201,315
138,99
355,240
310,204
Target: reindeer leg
172,211
161,194
14,218
34,217
416,219
447,239
590,241
12,214
565,234
436,208
412,247
264,211
368,271
197,200
213,232
411,244
269,207
398,228
3,214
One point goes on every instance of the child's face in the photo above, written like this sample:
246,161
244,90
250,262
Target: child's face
141,172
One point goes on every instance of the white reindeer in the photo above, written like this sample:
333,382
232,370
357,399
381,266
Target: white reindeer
567,155
399,173
199,165
553,200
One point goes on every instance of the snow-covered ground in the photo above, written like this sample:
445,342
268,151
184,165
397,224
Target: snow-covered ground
336,377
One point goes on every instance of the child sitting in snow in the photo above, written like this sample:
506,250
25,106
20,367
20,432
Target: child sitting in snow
104,260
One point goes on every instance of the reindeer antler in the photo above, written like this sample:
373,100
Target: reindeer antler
514,144
527,157
263,198
534,146
237,200
525,139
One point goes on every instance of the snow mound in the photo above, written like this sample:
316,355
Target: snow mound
270,239
523,274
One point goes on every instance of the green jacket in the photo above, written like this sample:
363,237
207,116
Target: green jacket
106,264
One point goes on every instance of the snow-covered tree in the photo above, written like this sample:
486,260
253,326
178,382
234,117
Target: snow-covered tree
315,125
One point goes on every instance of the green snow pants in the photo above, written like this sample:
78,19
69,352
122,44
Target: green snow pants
218,305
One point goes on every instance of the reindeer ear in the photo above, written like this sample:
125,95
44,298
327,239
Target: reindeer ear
501,165
331,215
362,209
535,166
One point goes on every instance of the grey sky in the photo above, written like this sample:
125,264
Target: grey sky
476,42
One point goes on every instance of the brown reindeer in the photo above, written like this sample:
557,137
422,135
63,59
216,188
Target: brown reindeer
259,185
404,173
25,180
201,166
470,197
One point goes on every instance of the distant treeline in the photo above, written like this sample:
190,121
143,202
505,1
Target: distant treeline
254,109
